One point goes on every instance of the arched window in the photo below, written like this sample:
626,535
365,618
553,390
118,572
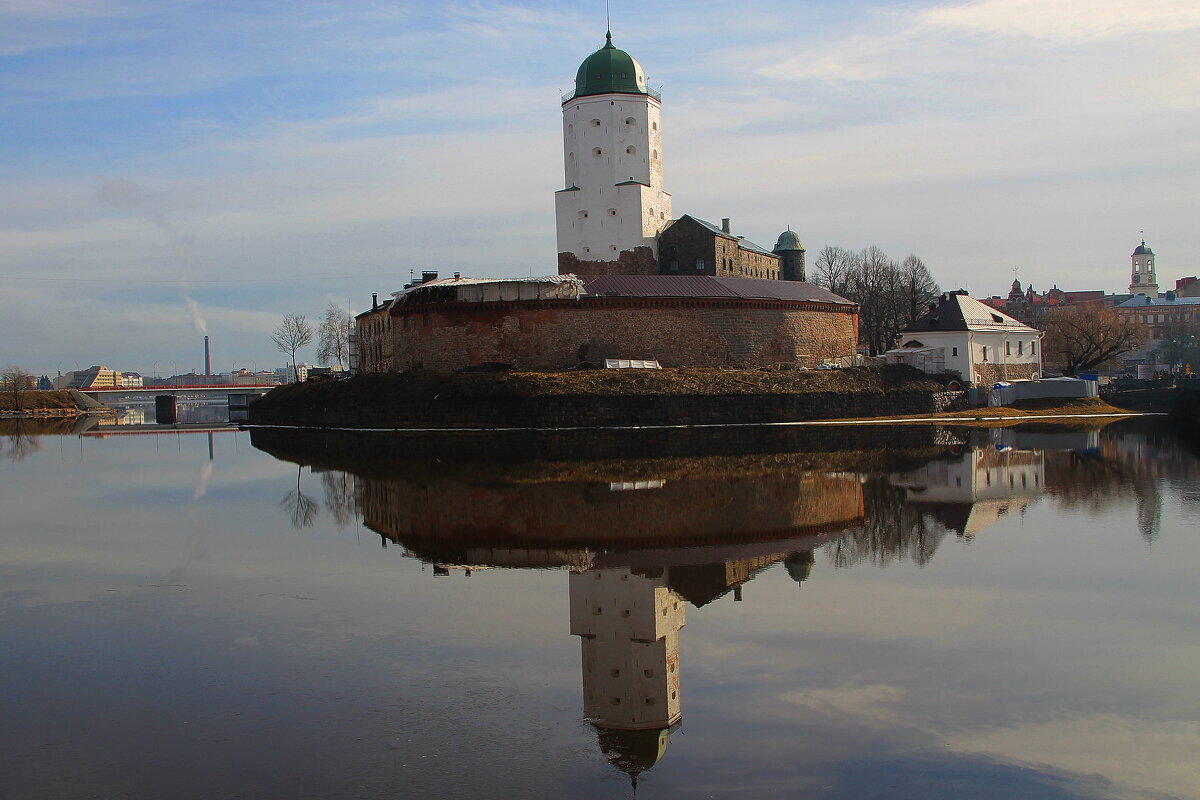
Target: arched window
630,150
595,123
630,121
583,215
596,151
653,126
612,212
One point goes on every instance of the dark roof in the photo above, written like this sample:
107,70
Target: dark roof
1143,250
958,312
741,240
707,286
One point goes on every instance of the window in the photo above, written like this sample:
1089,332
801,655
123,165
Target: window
630,121
1021,348
653,126
674,266
985,352
1008,348
595,123
1032,348
953,351
596,151
699,263
612,212
583,214
630,150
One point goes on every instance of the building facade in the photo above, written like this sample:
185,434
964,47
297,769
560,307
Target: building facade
1143,279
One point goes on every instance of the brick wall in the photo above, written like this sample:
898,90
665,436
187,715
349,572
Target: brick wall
638,261
549,335
991,373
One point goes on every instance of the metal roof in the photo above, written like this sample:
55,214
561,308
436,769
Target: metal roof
707,286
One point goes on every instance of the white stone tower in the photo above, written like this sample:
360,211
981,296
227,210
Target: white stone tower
1142,278
613,207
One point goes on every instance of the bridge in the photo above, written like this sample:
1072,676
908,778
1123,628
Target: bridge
153,391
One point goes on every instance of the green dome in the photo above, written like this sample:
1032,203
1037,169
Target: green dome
609,70
788,240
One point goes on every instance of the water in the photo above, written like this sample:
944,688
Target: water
881,613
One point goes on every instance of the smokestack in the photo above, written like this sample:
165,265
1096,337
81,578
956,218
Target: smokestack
428,276
725,224
374,300
207,362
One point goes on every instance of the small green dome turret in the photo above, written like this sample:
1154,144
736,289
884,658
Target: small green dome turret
788,240
609,70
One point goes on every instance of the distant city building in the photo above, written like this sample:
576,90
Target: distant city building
1143,278
131,380
94,377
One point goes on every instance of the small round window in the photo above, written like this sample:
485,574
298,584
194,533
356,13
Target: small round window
631,150
596,151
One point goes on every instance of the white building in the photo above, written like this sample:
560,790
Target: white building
614,202
1142,278
977,342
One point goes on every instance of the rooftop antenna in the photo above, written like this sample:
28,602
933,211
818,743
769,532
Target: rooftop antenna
608,19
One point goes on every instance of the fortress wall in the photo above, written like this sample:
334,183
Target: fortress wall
549,335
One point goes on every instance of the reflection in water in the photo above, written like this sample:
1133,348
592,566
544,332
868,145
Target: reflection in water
642,537
301,509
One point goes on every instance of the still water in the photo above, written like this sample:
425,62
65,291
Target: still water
913,612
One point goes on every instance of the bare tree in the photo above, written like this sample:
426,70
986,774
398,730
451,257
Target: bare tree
301,509
15,382
333,336
1086,338
835,268
292,334
889,295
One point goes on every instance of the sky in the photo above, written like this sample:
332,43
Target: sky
170,168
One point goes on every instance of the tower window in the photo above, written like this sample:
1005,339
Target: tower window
631,150
654,155
612,212
596,151
595,123
630,121
583,214
653,126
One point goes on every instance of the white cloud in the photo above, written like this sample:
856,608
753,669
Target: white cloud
1072,21
1159,756
876,703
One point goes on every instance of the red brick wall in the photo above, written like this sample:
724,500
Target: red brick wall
549,335
638,261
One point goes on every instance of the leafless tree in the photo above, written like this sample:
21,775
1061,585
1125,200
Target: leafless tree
333,336
293,333
339,496
15,382
1085,338
889,295
301,509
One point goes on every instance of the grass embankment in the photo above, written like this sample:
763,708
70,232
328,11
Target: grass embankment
428,384
56,403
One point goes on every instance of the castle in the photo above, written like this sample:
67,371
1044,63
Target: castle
632,281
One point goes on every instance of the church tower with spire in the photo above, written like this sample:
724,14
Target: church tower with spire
1142,278
613,206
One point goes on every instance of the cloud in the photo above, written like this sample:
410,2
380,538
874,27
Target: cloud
1158,755
1070,21
876,703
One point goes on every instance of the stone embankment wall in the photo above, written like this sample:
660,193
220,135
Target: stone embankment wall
548,335
599,411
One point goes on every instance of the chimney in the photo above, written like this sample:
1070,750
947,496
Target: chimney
427,276
725,224
207,361
457,275
374,300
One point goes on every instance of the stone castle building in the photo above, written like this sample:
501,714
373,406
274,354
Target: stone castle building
633,282
614,216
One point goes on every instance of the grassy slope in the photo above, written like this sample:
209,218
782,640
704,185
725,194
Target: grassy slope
57,401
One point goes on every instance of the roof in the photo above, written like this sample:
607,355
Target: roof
707,286
788,240
1143,250
1145,301
958,312
608,71
742,241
